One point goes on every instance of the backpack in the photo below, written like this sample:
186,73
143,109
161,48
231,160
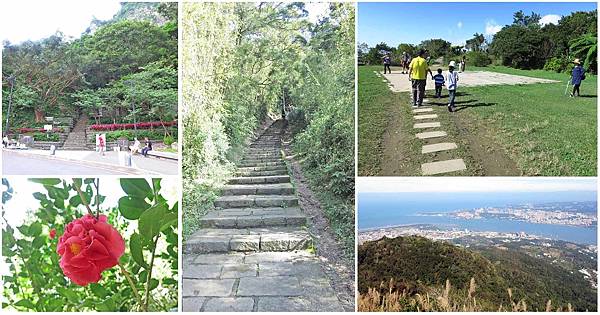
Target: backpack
583,76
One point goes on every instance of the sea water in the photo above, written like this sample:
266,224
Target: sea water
377,210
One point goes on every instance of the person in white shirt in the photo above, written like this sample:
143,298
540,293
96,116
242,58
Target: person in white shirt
452,83
135,147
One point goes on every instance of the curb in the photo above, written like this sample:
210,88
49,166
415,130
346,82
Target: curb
112,167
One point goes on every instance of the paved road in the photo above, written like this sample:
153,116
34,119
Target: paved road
400,83
16,164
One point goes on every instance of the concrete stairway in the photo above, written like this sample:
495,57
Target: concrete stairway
253,252
77,139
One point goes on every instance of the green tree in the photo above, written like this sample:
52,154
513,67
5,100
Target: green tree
475,43
46,68
586,48
521,47
521,19
121,48
436,47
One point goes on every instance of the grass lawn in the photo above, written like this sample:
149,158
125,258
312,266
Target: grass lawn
378,107
531,129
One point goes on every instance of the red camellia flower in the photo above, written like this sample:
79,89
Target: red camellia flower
52,234
88,247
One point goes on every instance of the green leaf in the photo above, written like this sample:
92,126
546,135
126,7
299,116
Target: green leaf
25,303
72,296
169,220
39,196
135,245
99,290
77,182
137,187
35,229
75,201
107,306
38,242
151,221
46,181
153,284
132,207
169,281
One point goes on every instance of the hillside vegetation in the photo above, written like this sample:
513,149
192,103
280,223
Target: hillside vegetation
123,70
415,273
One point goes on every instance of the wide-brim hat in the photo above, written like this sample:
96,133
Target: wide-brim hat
576,61
452,64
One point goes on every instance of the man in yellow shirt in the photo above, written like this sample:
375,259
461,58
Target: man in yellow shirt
417,72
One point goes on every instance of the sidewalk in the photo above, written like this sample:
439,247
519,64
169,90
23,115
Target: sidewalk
140,164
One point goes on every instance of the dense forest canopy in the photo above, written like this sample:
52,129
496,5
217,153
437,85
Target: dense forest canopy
129,59
524,44
258,57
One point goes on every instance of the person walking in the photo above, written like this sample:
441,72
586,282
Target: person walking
577,75
387,61
463,64
452,80
101,145
418,75
405,61
439,82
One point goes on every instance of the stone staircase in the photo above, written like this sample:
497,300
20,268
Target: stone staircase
77,139
253,252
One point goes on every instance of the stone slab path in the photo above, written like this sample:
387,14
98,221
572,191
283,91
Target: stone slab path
436,167
399,82
254,252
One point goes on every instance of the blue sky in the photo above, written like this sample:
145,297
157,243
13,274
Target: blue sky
412,22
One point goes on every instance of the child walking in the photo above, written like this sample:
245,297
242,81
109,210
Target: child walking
439,82
452,79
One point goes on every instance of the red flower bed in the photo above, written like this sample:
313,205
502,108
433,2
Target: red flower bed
140,125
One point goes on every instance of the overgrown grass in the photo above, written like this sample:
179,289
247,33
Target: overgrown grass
444,299
339,212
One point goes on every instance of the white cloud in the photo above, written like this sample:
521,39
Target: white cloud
33,20
492,28
472,184
459,24
549,19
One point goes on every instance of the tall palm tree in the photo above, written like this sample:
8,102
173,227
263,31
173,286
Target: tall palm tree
586,47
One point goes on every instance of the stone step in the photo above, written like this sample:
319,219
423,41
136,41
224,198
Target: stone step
436,147
262,168
260,179
253,217
207,241
426,125
441,167
261,160
262,173
250,201
259,189
262,154
421,117
255,156
422,110
255,164
265,147
431,134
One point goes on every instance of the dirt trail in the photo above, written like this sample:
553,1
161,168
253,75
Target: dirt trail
338,268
